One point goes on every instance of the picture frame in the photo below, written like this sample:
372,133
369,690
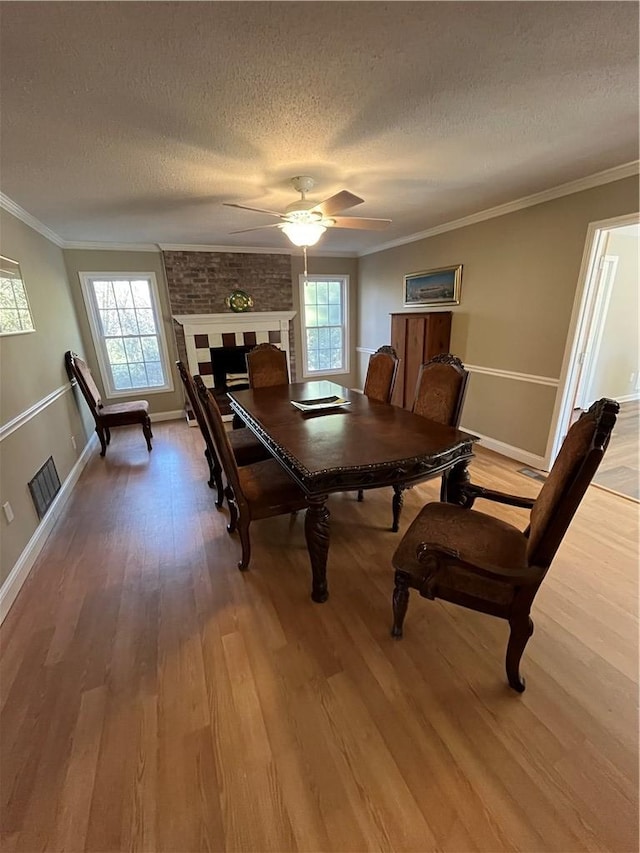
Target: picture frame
435,287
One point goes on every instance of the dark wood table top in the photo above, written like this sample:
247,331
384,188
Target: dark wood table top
362,445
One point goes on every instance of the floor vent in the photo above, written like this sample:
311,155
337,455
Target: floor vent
44,487
531,472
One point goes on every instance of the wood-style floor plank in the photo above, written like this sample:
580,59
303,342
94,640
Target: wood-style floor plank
154,698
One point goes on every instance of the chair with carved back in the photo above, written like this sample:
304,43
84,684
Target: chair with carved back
256,491
440,390
113,415
246,447
380,379
469,558
267,366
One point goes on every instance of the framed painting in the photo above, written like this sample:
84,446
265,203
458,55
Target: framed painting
433,287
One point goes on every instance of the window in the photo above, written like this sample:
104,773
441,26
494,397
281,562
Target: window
324,312
15,314
126,326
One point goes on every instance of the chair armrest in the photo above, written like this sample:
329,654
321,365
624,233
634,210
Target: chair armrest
474,492
435,558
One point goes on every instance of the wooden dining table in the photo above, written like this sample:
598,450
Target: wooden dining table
363,444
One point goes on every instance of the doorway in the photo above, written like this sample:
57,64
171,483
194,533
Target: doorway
603,359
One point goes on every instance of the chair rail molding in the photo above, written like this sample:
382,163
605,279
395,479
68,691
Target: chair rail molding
21,419
495,371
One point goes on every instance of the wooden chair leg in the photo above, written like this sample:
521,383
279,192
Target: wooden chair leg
245,541
397,507
360,495
521,630
107,433
146,429
215,477
103,440
400,603
233,509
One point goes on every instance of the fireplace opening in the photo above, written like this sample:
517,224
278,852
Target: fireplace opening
229,368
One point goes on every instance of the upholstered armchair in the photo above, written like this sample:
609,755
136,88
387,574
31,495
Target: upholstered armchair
246,447
267,366
261,490
107,417
482,563
440,392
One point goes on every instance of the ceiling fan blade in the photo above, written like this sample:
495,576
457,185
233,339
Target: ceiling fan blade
255,209
355,222
257,228
335,203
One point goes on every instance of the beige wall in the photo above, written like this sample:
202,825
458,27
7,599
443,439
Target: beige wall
92,260
518,286
328,266
616,372
31,368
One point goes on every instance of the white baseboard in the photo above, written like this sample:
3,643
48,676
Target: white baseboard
18,574
509,450
175,415
628,398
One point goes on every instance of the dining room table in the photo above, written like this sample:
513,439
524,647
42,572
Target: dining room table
334,439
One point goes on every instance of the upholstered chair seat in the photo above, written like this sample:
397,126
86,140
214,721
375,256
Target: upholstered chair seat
269,489
482,563
111,415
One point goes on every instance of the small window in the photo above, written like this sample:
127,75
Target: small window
15,314
125,320
325,330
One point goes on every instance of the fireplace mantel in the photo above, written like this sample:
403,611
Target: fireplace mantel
203,331
244,321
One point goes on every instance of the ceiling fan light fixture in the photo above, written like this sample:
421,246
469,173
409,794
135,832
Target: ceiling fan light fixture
303,233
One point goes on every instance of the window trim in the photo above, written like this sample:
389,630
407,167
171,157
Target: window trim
26,296
91,307
342,371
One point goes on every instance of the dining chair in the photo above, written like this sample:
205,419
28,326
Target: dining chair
267,366
247,448
381,374
113,415
485,564
440,392
256,491
380,379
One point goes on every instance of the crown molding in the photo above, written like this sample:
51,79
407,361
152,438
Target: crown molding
241,250
617,173
111,247
20,213
607,176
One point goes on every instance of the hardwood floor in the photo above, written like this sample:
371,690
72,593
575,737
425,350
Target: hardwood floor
157,699
620,469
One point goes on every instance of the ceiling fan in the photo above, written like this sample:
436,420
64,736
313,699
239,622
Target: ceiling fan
304,222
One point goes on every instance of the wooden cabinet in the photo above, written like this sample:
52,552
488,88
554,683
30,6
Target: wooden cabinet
416,338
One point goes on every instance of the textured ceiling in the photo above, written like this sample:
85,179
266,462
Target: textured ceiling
133,122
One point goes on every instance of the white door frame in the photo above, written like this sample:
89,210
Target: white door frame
608,265
579,328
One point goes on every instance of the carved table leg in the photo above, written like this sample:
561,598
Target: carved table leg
396,504
455,486
316,528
